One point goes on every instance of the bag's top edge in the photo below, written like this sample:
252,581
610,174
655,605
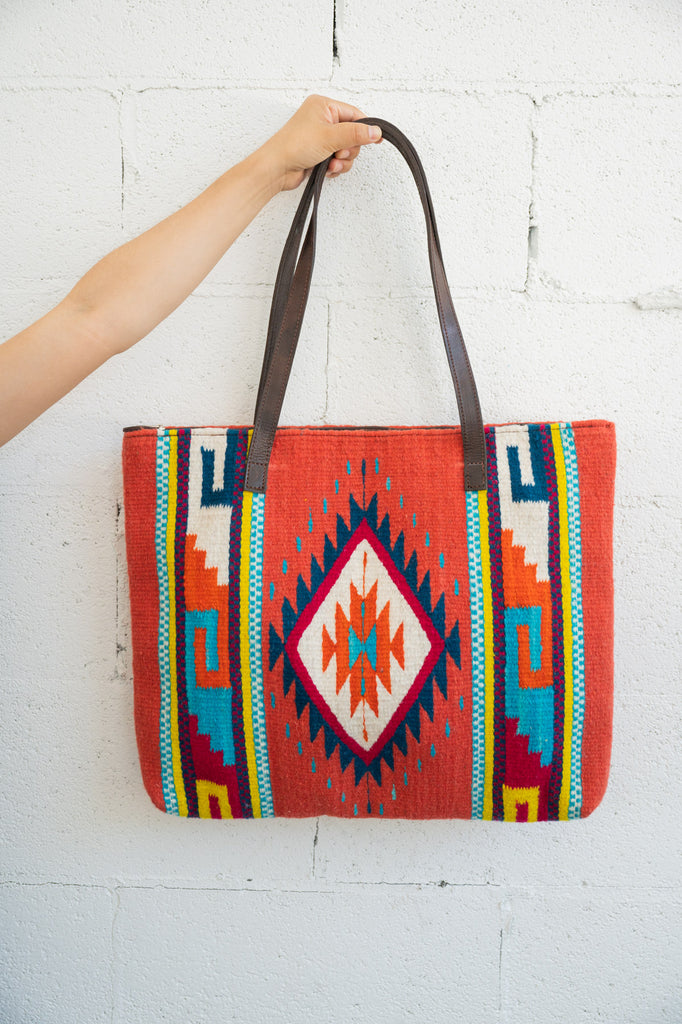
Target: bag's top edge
136,431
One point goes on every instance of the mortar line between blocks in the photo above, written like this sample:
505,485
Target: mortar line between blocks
545,91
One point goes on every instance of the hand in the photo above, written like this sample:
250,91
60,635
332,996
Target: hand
319,127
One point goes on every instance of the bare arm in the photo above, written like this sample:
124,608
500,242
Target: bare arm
132,289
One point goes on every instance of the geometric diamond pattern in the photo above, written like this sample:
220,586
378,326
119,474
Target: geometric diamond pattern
364,646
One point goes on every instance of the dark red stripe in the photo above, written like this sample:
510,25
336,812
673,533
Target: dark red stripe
557,624
241,764
185,741
499,644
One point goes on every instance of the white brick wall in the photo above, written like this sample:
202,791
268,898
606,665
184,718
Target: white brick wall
550,133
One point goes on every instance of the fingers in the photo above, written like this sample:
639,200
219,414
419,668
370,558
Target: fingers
344,111
345,135
351,135
342,161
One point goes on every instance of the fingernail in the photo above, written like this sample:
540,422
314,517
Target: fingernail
374,131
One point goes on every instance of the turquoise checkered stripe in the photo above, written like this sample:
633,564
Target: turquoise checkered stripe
477,654
575,568
256,655
166,750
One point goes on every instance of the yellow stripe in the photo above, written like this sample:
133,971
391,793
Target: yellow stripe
244,652
489,656
568,623
172,637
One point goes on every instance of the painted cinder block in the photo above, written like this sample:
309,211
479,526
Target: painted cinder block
328,956
633,934
607,188
219,39
61,935
60,183
516,44
59,572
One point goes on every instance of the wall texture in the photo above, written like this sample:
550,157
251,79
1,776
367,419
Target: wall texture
550,132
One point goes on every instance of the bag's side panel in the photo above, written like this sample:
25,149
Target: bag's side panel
528,635
195,564
595,444
220,763
366,640
139,488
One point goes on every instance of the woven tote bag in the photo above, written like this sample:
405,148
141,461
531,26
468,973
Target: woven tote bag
407,622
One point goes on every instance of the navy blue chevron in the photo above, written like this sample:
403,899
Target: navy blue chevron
438,615
440,674
316,720
387,754
372,513
384,532
330,554
426,696
424,594
276,645
357,514
288,674
342,532
303,595
373,769
398,553
411,573
400,738
302,699
412,720
346,756
331,741
316,574
452,645
289,617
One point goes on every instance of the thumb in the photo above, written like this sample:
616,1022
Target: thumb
347,134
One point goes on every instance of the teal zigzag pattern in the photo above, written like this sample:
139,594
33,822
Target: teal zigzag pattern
256,655
575,567
165,748
534,708
212,707
477,655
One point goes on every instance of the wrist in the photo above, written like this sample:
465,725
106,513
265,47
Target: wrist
266,170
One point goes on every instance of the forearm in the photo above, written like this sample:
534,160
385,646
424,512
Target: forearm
132,289
128,292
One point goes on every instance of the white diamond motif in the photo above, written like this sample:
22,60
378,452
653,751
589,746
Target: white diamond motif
364,649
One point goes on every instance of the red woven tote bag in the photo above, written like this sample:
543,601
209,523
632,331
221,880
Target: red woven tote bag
408,622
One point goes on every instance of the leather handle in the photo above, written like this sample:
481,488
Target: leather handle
283,282
286,315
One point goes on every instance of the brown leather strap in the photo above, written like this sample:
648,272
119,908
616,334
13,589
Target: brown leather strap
285,274
286,315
